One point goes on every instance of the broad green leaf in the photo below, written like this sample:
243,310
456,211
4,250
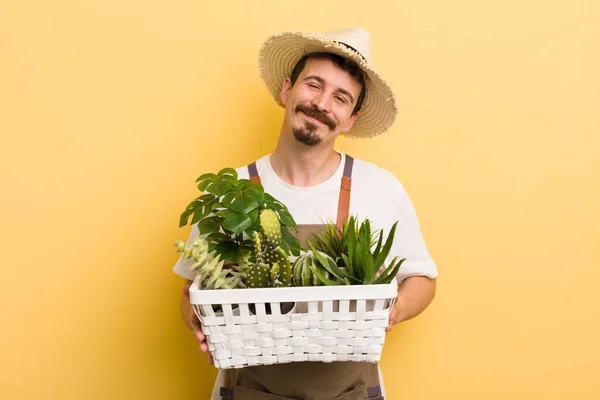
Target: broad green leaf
217,237
291,241
253,190
185,216
228,173
239,201
204,184
200,207
236,222
254,215
197,217
228,251
255,227
210,225
205,180
286,219
209,175
220,187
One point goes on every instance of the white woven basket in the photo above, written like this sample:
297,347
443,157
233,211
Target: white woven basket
326,323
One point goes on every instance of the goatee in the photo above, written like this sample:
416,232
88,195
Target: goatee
307,135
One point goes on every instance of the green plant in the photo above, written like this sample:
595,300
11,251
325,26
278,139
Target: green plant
303,266
334,241
272,266
209,266
227,214
360,263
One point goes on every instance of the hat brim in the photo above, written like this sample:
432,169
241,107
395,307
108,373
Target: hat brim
281,52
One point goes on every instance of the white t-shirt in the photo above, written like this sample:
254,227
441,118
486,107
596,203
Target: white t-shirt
376,194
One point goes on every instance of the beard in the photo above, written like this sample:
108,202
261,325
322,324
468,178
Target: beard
307,133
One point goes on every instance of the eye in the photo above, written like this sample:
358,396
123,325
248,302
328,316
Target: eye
341,99
313,85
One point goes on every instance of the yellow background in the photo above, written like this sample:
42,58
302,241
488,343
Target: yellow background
109,110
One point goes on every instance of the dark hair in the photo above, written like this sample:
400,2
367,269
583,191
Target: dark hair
344,63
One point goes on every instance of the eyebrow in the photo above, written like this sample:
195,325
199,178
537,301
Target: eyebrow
322,82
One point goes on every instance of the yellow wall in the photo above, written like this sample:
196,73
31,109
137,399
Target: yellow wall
110,109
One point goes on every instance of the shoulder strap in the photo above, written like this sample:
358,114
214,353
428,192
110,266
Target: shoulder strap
345,188
253,172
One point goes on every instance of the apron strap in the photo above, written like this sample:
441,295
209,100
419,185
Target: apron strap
226,391
345,188
344,202
374,393
253,172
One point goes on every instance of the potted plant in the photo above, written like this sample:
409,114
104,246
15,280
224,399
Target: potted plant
353,255
245,238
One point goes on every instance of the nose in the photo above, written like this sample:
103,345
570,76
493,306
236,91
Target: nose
322,102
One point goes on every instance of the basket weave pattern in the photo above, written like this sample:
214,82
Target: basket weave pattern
249,334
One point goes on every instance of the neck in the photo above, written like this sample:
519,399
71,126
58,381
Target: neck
301,165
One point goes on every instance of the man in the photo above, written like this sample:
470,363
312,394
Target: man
328,87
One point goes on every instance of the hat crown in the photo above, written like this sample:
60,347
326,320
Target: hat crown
355,37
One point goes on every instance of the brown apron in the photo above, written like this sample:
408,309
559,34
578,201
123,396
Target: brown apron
344,380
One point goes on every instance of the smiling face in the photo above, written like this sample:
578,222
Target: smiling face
319,106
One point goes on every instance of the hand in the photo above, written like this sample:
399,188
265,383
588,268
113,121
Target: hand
393,316
196,326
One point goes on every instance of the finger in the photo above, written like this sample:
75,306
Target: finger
210,359
203,347
199,335
186,290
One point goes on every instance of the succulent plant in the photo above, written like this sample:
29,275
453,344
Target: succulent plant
209,266
303,274
360,263
272,266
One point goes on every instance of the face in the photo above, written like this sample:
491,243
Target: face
318,108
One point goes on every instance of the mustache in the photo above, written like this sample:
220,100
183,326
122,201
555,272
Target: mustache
316,114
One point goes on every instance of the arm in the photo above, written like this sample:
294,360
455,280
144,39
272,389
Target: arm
414,295
187,313
191,319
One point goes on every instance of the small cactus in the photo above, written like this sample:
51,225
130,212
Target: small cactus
303,270
272,267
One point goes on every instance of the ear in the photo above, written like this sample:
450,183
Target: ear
350,122
285,90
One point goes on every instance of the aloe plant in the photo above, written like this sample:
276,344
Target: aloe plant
360,263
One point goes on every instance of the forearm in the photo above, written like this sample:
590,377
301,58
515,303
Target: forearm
186,307
414,295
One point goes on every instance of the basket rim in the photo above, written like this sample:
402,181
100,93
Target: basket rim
276,295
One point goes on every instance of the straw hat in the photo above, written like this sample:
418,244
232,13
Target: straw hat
280,53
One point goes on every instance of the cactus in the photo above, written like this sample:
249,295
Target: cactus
272,267
304,267
210,267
